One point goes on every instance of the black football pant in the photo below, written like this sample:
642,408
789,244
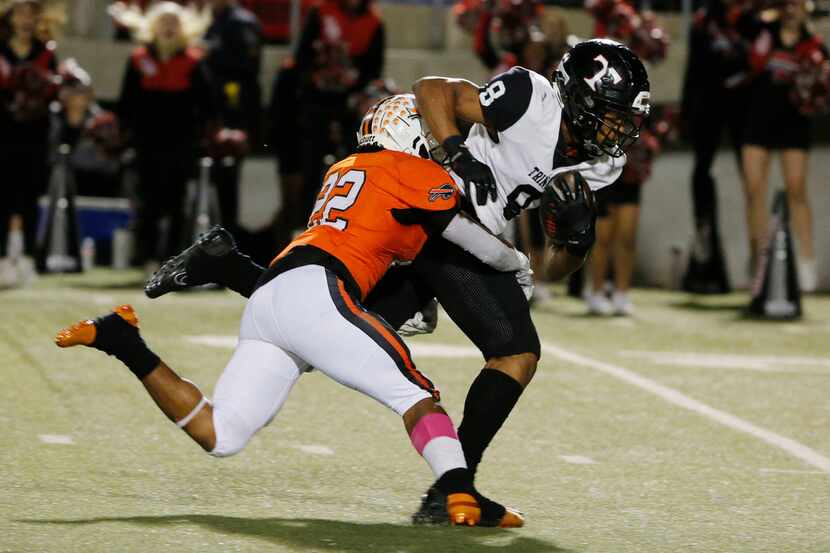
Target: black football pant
490,309
487,305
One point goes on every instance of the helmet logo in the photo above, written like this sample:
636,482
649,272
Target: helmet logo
641,102
603,73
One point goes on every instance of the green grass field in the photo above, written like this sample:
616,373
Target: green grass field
685,428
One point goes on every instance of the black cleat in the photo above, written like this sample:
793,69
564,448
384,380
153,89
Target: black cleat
433,510
191,267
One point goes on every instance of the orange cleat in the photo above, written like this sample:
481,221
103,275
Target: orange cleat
463,509
511,519
434,509
84,332
127,313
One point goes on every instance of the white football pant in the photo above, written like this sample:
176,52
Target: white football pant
304,318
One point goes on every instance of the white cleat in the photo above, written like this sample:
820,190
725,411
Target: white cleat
598,304
807,275
622,304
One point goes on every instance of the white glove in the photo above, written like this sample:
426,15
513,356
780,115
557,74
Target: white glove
525,275
423,322
525,279
522,261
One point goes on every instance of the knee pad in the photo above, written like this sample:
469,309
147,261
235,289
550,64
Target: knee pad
232,432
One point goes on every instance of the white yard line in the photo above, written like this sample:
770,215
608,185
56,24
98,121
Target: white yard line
60,439
577,459
314,449
213,340
679,399
444,351
790,471
760,363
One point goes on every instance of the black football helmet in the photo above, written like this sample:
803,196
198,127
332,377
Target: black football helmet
606,93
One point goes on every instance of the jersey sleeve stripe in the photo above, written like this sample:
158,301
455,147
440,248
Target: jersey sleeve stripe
379,332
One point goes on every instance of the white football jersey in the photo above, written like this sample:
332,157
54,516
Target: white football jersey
524,111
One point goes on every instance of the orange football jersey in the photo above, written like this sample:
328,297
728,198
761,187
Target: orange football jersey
352,218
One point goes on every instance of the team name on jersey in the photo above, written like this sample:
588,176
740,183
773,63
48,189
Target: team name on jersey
541,178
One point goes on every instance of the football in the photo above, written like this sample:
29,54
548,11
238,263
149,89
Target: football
563,190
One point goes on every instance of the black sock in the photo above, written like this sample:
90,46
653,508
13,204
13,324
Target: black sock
455,481
489,401
235,270
117,337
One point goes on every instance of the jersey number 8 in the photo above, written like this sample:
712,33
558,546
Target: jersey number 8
336,195
493,92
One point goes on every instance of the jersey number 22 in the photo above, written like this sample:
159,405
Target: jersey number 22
338,194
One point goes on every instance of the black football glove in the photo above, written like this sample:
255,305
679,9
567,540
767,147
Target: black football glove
474,172
568,216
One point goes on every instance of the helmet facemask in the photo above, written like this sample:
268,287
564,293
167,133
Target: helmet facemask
604,128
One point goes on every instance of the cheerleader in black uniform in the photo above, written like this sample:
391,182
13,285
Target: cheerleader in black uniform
27,67
166,106
777,120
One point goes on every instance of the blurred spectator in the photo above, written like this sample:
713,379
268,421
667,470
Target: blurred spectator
714,100
508,34
779,119
640,30
275,17
341,48
129,17
90,132
339,53
27,86
514,32
284,137
618,206
165,106
234,49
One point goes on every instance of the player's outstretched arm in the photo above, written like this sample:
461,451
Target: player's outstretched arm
477,240
442,102
458,228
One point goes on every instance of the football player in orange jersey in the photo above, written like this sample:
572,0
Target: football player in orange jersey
376,207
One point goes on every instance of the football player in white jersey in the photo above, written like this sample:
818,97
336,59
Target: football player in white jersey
529,134
529,137
527,129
